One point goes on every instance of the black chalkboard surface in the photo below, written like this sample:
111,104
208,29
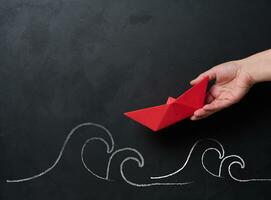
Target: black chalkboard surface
69,69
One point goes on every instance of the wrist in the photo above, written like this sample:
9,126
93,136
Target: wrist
250,70
257,67
246,70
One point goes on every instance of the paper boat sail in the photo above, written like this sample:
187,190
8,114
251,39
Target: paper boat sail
175,110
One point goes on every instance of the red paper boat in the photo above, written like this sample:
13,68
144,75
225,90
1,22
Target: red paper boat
175,110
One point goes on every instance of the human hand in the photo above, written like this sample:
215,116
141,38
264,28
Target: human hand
232,83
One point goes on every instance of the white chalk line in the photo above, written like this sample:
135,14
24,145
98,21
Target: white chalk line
141,164
242,164
110,150
222,158
221,155
63,148
83,160
140,161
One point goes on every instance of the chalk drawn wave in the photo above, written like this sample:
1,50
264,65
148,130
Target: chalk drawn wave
139,159
110,148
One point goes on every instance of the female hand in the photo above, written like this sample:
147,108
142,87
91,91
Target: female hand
232,82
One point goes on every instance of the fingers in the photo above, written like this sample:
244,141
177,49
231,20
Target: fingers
211,73
217,105
209,109
200,114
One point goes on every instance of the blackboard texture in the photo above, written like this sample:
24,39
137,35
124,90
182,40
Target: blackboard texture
68,62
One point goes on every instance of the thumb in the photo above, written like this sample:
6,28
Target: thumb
211,73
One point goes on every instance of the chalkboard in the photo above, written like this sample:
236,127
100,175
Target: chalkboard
69,69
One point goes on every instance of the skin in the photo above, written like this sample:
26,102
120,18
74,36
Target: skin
232,82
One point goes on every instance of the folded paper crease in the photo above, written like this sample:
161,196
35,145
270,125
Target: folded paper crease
175,109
